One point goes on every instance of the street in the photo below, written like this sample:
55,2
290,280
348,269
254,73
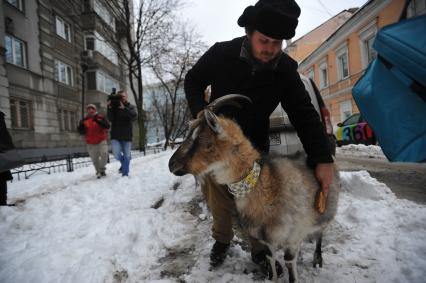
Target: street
406,180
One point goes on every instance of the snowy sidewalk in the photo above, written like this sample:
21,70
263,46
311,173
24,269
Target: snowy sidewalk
71,227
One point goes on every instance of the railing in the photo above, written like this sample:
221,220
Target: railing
64,163
54,164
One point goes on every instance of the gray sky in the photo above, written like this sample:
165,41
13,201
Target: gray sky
216,20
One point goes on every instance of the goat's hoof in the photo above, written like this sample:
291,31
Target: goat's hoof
317,260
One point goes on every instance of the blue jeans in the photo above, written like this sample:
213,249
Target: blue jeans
121,151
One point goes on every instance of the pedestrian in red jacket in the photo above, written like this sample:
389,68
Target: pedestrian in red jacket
95,129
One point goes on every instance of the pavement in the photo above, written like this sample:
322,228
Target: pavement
406,180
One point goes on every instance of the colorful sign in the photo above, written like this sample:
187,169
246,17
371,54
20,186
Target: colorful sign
355,133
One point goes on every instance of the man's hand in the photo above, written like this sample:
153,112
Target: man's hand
324,172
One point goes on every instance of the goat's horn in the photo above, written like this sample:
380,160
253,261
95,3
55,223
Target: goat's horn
228,99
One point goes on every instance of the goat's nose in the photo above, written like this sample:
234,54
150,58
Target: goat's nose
172,165
176,167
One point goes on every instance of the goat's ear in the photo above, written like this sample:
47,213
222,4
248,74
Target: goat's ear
213,122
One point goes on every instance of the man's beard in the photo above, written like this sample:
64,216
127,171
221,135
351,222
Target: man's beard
268,55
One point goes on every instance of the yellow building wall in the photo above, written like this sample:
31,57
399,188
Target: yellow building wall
354,54
332,71
339,91
390,14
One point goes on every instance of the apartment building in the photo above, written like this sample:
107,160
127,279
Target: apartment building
339,62
49,49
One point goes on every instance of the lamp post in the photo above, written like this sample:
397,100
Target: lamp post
84,66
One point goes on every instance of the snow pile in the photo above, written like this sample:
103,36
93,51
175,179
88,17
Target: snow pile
361,150
152,227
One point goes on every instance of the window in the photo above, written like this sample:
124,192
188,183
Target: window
323,74
369,50
63,73
98,43
416,8
342,62
90,43
16,3
352,120
105,83
67,120
15,51
367,36
104,13
63,29
20,113
345,109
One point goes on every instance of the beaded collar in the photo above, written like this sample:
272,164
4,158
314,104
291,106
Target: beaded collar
247,184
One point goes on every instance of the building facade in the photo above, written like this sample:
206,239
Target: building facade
339,62
49,49
305,45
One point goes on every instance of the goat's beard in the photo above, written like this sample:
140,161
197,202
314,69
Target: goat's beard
220,172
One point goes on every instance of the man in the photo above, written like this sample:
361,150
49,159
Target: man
255,66
95,129
5,175
121,116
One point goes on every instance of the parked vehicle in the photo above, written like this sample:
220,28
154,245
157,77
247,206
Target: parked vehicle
282,135
354,130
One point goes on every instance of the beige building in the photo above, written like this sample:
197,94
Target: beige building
47,47
305,45
339,62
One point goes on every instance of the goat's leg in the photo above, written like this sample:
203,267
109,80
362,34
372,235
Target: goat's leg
290,258
272,263
318,252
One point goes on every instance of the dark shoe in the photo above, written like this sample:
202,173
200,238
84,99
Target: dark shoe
218,253
264,264
119,170
103,174
98,175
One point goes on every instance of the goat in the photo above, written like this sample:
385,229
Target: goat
279,209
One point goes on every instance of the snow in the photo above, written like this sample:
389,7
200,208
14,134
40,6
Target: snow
361,150
71,227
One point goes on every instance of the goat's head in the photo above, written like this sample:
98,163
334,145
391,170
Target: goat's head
211,141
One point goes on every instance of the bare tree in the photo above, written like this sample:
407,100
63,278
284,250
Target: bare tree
169,69
144,29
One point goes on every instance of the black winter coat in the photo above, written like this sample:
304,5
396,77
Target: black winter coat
5,144
223,69
121,122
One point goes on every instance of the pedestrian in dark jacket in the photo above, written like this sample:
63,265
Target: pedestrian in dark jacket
255,66
5,144
95,127
121,117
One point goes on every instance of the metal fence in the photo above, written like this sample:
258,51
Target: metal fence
63,163
53,165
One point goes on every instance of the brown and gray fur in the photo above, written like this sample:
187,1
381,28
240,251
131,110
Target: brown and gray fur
280,211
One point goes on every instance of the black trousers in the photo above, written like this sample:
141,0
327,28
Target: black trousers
4,177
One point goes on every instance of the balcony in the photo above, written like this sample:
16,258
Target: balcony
96,60
90,21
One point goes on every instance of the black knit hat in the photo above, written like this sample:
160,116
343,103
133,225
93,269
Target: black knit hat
273,18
